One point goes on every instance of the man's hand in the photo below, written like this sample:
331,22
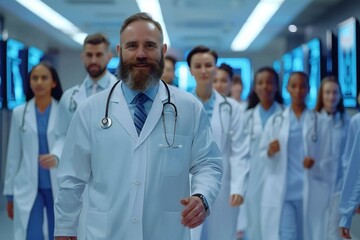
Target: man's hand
345,233
236,200
273,148
308,162
47,161
357,210
194,212
65,238
10,209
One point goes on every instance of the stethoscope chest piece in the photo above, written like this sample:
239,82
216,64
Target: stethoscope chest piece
105,122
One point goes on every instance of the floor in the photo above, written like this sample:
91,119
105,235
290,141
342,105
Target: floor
6,228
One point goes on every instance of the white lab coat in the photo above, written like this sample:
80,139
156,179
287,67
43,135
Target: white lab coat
21,176
325,143
135,185
275,173
350,193
250,140
354,126
69,101
227,125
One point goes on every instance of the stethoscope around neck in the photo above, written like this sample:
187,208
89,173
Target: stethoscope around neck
106,121
225,105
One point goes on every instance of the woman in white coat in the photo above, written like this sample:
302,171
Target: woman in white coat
264,101
282,151
324,147
30,177
225,117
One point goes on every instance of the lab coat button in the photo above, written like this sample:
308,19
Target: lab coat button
134,220
137,182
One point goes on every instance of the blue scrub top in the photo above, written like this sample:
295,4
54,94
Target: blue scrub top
42,120
295,169
265,114
208,105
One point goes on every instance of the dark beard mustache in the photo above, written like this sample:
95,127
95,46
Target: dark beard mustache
137,79
96,74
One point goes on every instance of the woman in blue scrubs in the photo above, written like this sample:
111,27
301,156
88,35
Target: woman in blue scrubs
30,178
282,150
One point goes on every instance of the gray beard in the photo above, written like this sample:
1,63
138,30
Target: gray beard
140,82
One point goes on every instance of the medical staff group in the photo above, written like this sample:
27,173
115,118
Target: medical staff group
134,157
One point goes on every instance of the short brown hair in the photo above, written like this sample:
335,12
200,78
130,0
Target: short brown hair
97,38
200,49
142,16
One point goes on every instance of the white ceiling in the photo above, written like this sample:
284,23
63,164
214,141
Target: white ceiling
189,22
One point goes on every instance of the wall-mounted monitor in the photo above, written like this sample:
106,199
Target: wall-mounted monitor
331,54
298,59
348,60
16,71
2,74
35,55
314,70
241,66
113,64
305,58
287,64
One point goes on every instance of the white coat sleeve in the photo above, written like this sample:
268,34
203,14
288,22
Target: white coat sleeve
14,152
353,127
206,161
62,125
73,174
350,194
240,152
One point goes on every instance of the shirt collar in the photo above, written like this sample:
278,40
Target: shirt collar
270,110
209,101
103,82
131,94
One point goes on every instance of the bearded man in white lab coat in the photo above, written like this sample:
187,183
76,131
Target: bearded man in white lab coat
138,173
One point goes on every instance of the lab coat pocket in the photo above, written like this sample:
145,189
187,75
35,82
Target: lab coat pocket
96,227
174,157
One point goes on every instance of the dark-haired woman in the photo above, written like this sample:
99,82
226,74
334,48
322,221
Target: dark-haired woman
30,178
264,101
325,145
283,151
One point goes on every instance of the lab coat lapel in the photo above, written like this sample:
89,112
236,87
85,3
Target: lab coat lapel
119,108
256,121
154,114
53,115
80,95
30,116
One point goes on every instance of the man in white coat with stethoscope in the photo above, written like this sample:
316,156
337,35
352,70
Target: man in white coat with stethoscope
96,55
135,145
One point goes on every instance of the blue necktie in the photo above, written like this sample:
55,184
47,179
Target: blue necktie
140,113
